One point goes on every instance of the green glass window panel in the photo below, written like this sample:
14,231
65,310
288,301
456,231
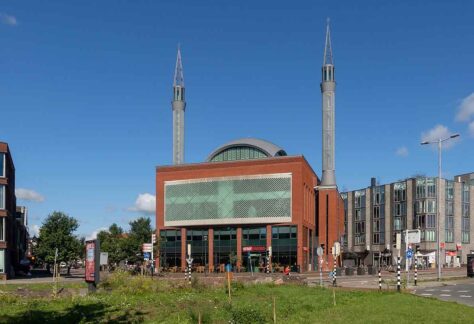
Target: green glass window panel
2,197
2,164
226,199
239,153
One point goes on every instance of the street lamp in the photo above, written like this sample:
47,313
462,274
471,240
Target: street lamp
439,141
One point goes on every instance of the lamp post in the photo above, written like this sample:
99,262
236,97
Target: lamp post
439,141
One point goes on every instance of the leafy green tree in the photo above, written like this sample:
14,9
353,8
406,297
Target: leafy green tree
113,242
140,232
57,233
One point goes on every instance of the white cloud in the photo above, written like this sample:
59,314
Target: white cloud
466,109
145,203
471,129
8,20
437,132
402,151
93,235
28,194
34,230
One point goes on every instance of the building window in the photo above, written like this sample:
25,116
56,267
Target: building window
399,206
284,244
359,220
344,197
256,236
399,191
170,248
2,228
225,245
2,197
378,215
449,190
2,165
2,261
465,217
449,219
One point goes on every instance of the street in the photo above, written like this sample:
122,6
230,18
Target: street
461,292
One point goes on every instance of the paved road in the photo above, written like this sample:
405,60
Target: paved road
371,281
462,292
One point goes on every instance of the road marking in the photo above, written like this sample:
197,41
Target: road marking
444,295
465,296
446,290
430,289
426,294
463,291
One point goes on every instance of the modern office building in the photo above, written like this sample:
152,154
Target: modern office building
374,215
13,230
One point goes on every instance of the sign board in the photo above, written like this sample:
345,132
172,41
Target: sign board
458,246
399,241
92,261
412,236
147,247
253,249
146,255
104,258
319,251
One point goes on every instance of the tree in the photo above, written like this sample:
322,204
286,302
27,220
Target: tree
113,242
140,232
57,233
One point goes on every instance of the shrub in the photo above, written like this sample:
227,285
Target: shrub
246,315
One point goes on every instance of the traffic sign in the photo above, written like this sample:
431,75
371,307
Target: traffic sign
146,256
409,254
147,247
319,251
189,260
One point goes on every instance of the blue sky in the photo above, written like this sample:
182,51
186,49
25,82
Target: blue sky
85,91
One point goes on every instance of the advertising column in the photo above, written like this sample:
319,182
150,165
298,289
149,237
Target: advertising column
92,264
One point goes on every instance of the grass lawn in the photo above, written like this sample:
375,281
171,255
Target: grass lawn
134,299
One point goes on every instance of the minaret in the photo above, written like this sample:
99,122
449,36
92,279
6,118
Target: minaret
328,90
179,106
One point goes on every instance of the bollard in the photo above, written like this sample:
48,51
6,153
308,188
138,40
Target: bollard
416,269
398,274
334,274
380,280
189,272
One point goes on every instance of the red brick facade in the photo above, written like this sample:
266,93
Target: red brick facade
303,204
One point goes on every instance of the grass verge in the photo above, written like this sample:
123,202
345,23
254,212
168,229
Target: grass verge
135,299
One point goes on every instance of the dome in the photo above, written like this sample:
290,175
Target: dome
245,149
